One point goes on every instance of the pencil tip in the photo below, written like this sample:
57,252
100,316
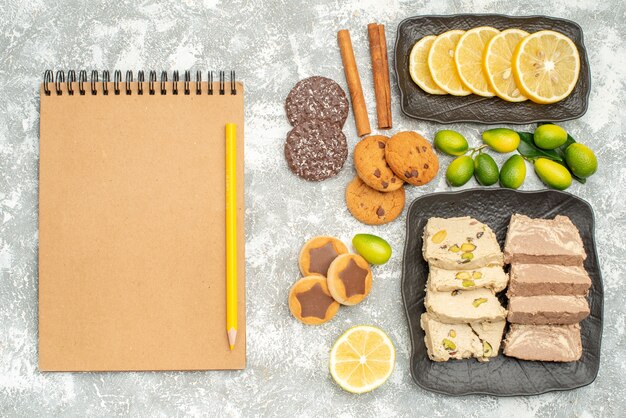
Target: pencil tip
232,335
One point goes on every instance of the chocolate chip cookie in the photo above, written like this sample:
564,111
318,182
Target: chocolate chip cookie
411,157
317,98
371,206
371,165
316,150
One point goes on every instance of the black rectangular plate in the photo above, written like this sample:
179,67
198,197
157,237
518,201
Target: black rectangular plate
502,375
418,104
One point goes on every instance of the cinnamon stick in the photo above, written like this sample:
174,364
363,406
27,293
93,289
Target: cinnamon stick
383,50
354,83
380,72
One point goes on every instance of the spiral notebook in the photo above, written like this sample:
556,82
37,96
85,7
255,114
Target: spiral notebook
132,222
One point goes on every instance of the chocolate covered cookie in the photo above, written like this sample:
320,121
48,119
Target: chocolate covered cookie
412,158
317,98
317,254
371,165
371,206
316,150
349,279
310,301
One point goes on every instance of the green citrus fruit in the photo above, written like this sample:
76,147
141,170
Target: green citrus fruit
501,139
581,160
553,174
460,170
549,136
513,172
451,142
486,169
372,248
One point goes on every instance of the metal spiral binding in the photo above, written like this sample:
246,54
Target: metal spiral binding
106,77
57,83
117,77
82,77
54,83
175,84
233,83
71,78
187,80
163,81
94,81
140,81
47,78
129,79
210,82
152,80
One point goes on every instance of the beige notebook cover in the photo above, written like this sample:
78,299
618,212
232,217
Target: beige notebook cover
132,229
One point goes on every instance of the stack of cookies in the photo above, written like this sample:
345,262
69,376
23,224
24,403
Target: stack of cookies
463,317
332,277
316,147
548,289
376,196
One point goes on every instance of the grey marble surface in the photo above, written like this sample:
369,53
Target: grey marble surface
272,45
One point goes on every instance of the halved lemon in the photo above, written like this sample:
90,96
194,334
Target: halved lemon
442,66
468,57
362,359
546,66
497,64
418,66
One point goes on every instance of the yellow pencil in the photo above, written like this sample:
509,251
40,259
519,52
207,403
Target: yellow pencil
231,233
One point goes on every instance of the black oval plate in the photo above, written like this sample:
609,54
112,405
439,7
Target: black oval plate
418,104
501,376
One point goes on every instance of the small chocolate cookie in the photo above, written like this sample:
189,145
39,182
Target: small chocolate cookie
317,254
371,206
371,165
411,157
316,150
318,98
310,301
349,279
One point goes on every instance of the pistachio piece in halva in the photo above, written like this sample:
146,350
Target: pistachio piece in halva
448,345
487,350
468,283
439,236
479,301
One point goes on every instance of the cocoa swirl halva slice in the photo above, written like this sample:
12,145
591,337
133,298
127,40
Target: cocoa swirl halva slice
317,98
315,150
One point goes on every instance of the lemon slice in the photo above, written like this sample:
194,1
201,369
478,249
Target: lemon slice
418,66
442,66
362,359
468,58
546,66
497,64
